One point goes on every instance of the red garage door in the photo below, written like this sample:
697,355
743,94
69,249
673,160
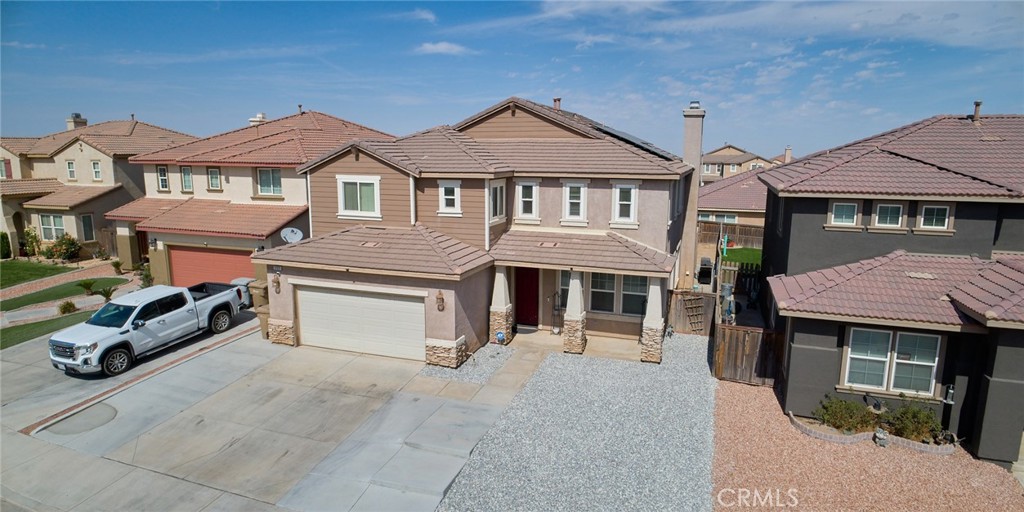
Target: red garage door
191,265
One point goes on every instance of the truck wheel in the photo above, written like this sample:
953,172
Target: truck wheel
220,322
117,361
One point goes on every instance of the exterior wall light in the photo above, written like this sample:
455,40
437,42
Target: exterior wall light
152,243
440,300
276,281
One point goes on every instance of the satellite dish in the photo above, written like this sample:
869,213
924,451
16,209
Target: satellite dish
291,235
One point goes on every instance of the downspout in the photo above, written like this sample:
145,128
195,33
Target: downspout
412,200
487,214
309,205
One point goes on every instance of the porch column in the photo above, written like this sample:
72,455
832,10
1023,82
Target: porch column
654,323
127,244
501,307
574,326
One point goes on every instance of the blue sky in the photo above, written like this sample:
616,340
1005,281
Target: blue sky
811,75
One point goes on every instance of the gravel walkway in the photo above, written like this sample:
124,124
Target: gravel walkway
477,369
600,434
757,449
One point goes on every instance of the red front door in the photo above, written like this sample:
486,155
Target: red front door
527,288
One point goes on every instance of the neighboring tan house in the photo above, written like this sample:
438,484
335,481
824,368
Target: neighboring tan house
523,215
903,263
65,182
737,199
212,202
728,161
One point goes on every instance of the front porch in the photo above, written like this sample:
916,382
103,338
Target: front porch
604,347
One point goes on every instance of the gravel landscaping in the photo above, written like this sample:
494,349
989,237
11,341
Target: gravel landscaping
600,434
477,369
756,449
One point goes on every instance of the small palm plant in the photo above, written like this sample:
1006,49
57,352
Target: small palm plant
106,293
87,284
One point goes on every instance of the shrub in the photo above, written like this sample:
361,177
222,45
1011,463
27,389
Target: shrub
5,245
117,266
32,242
101,253
106,293
67,307
66,247
48,252
913,421
146,280
845,415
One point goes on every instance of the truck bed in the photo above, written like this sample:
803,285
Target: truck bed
205,290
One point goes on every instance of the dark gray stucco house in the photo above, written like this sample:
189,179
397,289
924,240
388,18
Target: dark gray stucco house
897,266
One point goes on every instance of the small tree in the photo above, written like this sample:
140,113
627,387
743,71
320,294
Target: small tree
146,280
66,247
106,293
32,242
5,245
86,284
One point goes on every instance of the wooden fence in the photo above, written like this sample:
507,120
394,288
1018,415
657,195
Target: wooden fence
743,275
691,313
743,235
747,354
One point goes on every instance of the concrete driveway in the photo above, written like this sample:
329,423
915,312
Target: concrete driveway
244,426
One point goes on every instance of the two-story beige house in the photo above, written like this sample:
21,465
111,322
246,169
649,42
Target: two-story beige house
523,215
64,182
212,202
728,161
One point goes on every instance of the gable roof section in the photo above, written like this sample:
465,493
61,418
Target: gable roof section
742,192
29,187
113,138
68,197
415,251
220,218
744,156
286,142
943,156
608,252
897,287
996,295
142,209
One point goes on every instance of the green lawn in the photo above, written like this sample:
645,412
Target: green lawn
14,272
69,289
12,336
743,255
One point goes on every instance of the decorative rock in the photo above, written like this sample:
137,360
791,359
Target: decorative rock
281,331
574,336
450,354
501,321
650,344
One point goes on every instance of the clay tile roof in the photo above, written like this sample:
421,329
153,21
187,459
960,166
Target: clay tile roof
996,293
416,250
142,209
29,187
286,142
113,138
18,145
69,196
609,252
743,191
222,218
946,156
578,156
896,287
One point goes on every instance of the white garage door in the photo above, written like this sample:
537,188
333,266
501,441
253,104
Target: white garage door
359,321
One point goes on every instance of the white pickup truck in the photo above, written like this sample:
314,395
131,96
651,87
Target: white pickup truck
145,321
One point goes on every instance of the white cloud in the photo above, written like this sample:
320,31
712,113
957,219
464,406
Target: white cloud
584,40
443,48
423,14
24,46
260,53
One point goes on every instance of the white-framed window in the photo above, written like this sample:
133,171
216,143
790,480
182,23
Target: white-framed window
574,199
269,181
624,202
359,197
634,295
934,217
889,215
908,366
71,170
564,277
186,179
727,218
88,231
497,200
602,292
52,226
708,169
843,214
97,171
526,205
162,183
449,198
705,217
213,178
733,167
756,165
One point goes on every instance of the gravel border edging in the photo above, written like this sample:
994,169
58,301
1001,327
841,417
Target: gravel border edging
478,369
945,449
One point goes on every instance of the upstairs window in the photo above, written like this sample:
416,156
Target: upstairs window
705,217
162,182
844,214
889,215
269,181
186,179
574,199
497,200
71,170
935,217
213,178
708,169
527,207
732,167
624,207
449,198
97,171
359,197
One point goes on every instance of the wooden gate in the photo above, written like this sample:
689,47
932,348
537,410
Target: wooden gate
747,354
691,313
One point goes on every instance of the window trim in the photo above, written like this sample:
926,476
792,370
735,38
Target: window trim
614,291
890,370
520,217
564,291
354,214
887,228
191,180
858,219
707,169
732,167
493,215
163,181
623,293
53,226
72,173
209,181
848,355
948,230
92,227
280,177
580,220
97,168
632,221
442,210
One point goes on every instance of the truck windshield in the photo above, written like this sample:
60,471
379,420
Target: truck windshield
111,315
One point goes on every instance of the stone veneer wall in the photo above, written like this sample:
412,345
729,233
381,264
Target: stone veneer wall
501,321
650,344
282,332
574,336
449,354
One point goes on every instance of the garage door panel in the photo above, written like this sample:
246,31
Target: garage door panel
357,321
192,265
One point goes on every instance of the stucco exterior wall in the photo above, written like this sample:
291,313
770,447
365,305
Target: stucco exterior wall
19,168
159,258
238,185
472,303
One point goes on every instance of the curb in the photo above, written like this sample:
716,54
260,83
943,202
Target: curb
945,449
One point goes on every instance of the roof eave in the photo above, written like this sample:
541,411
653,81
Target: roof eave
967,328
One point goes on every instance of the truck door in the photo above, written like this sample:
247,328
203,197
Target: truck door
148,336
177,317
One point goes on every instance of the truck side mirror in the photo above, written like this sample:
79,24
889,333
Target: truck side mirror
138,323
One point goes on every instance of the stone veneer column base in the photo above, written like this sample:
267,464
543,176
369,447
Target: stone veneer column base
501,321
281,331
650,344
447,353
574,336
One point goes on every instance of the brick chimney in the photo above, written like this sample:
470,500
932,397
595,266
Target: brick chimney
693,140
258,119
557,103
788,155
76,121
